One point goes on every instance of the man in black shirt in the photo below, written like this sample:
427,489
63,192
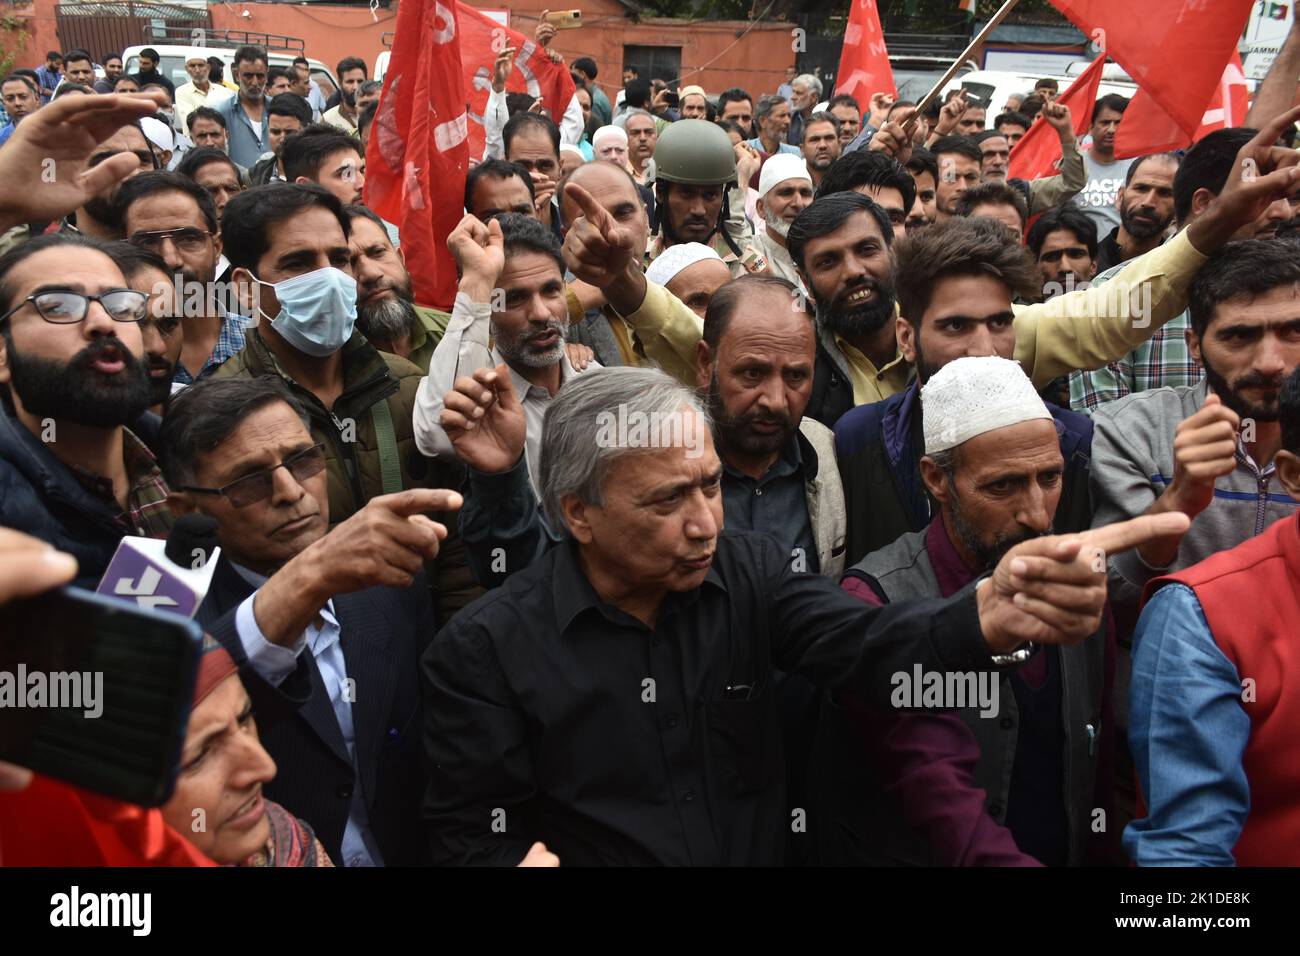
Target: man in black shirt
612,699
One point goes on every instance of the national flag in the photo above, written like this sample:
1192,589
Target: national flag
418,154
481,39
864,61
1174,49
1039,150
967,7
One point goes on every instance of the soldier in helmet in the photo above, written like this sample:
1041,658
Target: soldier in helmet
695,168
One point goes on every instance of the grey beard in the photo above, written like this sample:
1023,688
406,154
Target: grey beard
387,321
776,224
517,352
986,555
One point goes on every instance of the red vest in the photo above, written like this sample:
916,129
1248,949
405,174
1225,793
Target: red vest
1251,599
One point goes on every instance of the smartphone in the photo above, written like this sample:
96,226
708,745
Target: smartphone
978,94
565,19
672,99
96,692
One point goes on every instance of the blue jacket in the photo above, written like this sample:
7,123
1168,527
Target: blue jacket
879,448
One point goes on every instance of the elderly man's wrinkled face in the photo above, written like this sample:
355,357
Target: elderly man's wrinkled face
995,155
262,533
804,96
694,107
1004,489
760,378
612,150
170,223
90,372
641,139
197,68
667,500
251,77
223,769
221,182
967,315
695,284
781,204
776,123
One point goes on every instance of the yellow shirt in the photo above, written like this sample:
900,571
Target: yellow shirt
869,383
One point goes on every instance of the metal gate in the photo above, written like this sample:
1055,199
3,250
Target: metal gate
110,26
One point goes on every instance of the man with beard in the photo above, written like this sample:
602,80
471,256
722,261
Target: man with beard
1164,359
695,172
995,156
785,189
160,330
1146,210
1064,243
1207,450
821,145
173,216
511,293
807,91
1010,780
924,170
772,118
245,113
351,73
98,216
956,282
842,252
73,377
846,109
386,311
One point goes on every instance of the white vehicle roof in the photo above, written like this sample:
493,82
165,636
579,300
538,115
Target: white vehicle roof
175,55
1005,84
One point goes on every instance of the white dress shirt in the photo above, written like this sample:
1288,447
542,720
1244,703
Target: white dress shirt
495,116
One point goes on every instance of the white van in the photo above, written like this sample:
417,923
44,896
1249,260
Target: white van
1114,80
174,56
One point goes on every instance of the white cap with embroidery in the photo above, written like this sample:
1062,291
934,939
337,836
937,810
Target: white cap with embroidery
973,395
779,168
676,258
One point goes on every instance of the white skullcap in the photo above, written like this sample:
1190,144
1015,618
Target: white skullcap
692,91
971,396
609,132
570,148
676,258
779,168
158,133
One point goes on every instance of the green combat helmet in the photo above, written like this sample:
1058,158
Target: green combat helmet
695,153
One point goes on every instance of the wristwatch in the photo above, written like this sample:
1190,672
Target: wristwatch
1018,656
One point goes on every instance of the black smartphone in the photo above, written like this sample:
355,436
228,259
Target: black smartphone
672,99
978,94
96,692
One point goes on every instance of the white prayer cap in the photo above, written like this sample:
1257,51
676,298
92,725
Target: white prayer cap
158,133
570,148
779,168
974,395
692,91
609,132
676,258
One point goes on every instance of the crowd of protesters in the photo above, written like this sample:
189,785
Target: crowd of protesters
754,420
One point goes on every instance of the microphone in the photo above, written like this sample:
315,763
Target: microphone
167,575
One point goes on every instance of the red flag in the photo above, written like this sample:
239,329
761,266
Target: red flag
1039,150
864,61
481,39
1174,49
1149,129
419,154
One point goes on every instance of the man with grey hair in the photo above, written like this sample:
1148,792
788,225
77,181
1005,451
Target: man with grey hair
772,120
806,92
994,466
612,700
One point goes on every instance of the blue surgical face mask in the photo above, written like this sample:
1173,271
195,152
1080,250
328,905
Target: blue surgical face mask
317,310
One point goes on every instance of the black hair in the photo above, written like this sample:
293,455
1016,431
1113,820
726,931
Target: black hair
1111,101
207,113
248,53
1289,412
984,134
1243,268
527,234
160,181
525,121
151,53
517,103
828,213
111,56
26,250
1207,165
586,64
1047,83
251,216
367,115
196,159
727,299
351,63
290,104
20,78
204,415
1174,158
133,259
733,95
993,194
843,99
822,117
923,161
495,169
355,210
958,145
1068,217
76,56
65,87
1014,118
868,167
303,153
636,94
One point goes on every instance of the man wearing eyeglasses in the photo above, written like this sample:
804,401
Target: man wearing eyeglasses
72,367
173,216
326,627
